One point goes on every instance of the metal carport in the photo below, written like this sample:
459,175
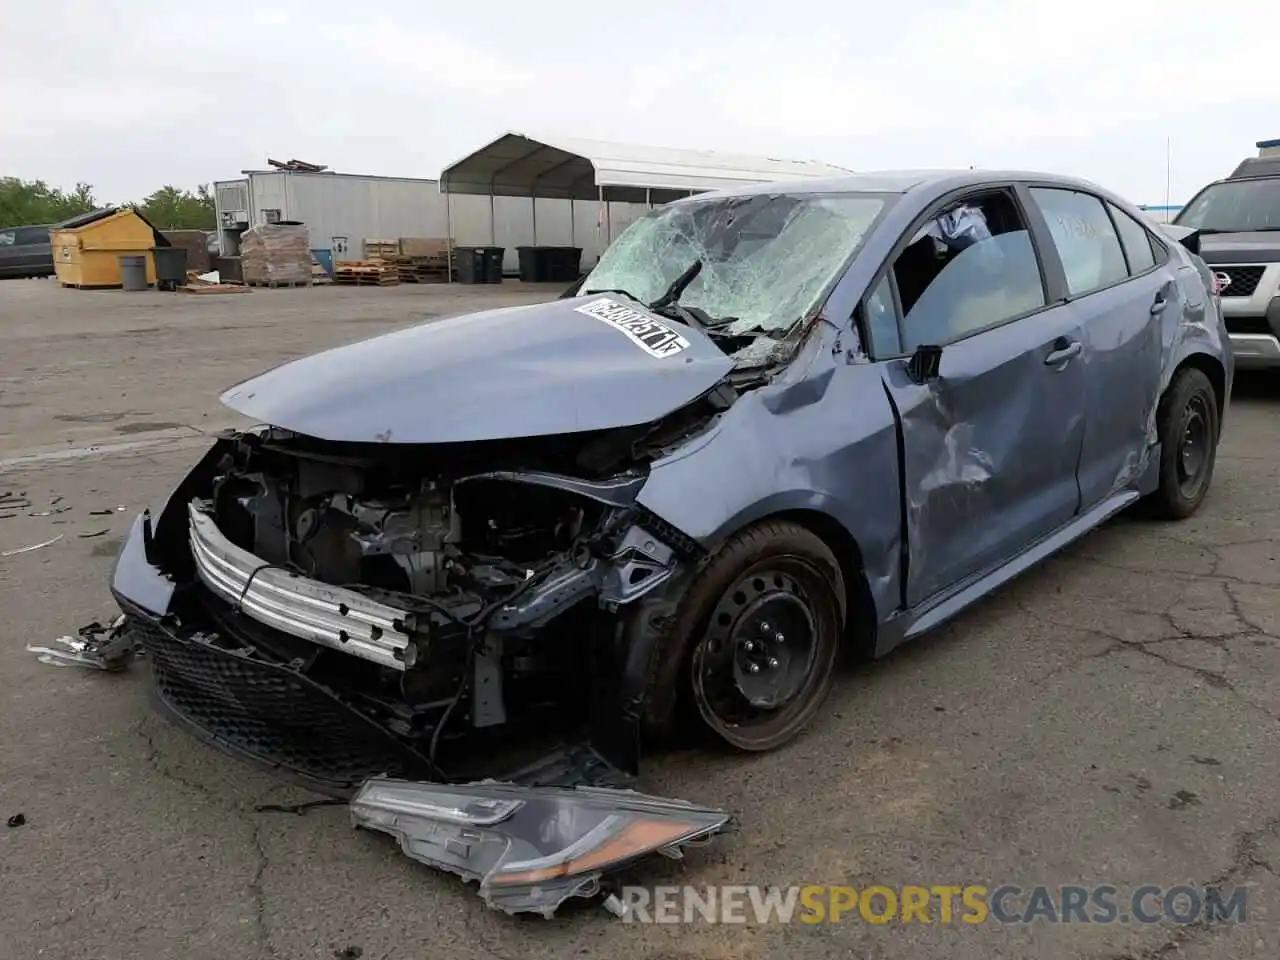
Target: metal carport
518,165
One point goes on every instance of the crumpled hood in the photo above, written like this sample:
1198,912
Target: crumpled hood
588,363
1241,247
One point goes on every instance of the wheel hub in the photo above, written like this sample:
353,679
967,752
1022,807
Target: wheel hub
761,643
1193,447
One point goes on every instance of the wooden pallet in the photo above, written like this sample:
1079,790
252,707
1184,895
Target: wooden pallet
375,272
432,269
423,274
358,280
273,284
208,289
381,249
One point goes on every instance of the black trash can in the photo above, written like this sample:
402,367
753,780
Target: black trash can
563,264
171,267
530,264
469,262
493,264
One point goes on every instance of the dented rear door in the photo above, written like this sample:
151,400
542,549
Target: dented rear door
990,448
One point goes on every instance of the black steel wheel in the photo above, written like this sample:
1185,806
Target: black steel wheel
760,627
1188,424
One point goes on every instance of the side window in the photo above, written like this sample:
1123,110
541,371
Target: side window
29,236
7,237
972,267
881,321
1084,237
1136,240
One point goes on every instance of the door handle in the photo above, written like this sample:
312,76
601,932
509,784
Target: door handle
1159,304
1062,352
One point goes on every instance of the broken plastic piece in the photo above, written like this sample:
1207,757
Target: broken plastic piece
98,647
17,820
531,848
28,549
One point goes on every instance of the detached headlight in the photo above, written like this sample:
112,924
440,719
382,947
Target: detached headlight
531,848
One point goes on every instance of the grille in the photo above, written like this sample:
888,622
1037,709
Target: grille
1244,280
1249,325
269,712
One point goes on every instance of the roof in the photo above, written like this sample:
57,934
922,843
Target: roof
84,219
1256,167
102,213
1264,144
519,165
318,174
902,181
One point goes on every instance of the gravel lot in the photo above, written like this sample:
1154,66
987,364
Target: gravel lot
1112,717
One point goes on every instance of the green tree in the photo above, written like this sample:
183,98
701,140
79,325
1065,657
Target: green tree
172,209
27,202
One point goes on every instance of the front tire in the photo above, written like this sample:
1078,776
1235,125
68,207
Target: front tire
761,626
1188,426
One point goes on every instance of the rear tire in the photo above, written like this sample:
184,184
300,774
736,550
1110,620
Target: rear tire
758,631
1188,426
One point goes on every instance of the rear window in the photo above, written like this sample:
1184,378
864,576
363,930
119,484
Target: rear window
1236,206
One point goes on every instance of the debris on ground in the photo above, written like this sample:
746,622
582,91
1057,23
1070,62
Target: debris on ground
296,808
27,549
101,513
214,288
49,513
95,646
95,533
17,820
14,500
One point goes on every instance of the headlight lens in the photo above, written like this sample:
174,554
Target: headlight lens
531,848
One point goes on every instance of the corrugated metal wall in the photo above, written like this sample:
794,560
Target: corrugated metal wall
342,211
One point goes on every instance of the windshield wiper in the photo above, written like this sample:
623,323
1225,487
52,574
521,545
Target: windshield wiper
678,286
1206,231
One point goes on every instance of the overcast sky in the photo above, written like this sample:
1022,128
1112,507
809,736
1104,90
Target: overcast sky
132,94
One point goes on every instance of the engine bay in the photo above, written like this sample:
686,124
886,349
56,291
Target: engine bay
491,578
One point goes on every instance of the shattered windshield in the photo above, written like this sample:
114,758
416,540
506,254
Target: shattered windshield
1236,206
765,259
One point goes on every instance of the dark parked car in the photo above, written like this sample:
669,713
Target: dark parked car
774,424
1238,220
25,252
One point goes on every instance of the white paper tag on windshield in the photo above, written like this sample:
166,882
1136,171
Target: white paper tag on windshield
644,330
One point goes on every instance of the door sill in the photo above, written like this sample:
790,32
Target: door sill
941,608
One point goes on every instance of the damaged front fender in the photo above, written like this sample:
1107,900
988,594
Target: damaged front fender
531,848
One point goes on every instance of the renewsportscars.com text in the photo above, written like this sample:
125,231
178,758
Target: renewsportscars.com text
938,904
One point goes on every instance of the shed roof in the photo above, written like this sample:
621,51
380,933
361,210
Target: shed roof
520,165
102,213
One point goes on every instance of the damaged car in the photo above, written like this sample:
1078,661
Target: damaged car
463,571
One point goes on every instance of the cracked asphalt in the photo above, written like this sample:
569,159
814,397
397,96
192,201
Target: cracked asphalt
1113,717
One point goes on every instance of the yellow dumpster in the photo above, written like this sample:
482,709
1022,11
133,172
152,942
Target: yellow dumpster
87,248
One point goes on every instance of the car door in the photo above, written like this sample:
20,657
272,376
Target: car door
989,445
35,256
8,252
1118,290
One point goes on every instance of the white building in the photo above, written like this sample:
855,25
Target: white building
515,191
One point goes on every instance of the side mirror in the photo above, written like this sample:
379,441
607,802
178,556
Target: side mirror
925,363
